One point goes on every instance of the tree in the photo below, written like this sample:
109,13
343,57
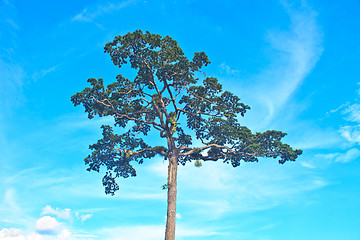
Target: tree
166,96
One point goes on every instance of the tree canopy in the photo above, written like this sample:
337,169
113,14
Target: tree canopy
168,96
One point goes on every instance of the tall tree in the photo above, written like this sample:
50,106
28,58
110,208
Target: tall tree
166,96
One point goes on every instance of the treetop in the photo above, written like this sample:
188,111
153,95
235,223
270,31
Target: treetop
166,96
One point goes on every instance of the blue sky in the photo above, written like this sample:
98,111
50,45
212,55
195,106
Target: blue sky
294,62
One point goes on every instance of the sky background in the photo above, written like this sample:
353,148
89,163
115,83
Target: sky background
294,62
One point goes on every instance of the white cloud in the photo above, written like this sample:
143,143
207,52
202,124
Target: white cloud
65,235
85,217
17,234
11,209
296,52
64,214
343,157
339,108
34,236
11,234
352,112
349,156
216,188
89,14
351,133
306,164
42,73
228,69
47,225
10,199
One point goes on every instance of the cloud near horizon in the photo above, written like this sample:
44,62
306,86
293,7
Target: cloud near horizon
47,225
17,234
152,232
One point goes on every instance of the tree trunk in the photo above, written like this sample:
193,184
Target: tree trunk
171,200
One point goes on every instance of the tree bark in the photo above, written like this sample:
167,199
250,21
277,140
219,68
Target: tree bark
171,200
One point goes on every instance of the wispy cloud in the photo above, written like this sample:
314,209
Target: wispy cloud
12,212
217,189
7,2
85,217
92,12
351,133
349,156
296,52
342,157
10,199
306,164
9,27
339,108
228,70
268,226
64,214
42,73
351,113
11,94
310,136
12,77
349,130
12,23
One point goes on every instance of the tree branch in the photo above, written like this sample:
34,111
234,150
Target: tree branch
198,112
121,116
229,150
171,96
149,150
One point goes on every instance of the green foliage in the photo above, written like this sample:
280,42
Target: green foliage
115,152
198,163
163,96
159,149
